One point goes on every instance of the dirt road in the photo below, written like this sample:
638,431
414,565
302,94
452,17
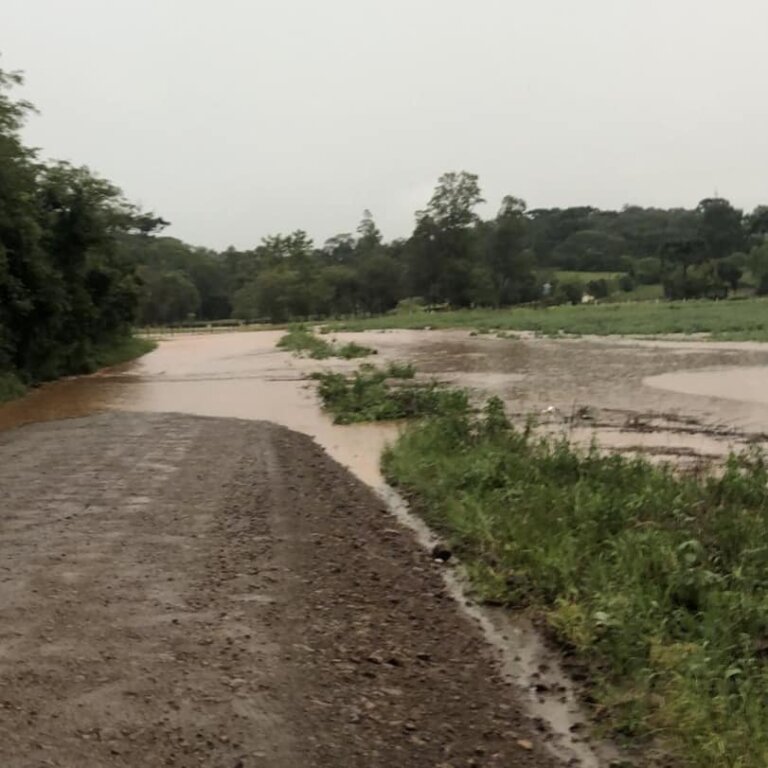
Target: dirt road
179,591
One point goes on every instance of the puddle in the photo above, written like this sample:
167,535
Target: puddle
745,384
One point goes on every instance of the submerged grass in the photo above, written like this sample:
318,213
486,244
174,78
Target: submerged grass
301,341
730,320
380,394
656,582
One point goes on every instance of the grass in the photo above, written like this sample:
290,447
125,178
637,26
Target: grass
656,583
729,320
300,341
376,394
654,292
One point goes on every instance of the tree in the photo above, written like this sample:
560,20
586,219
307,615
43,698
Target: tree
380,282
598,289
731,269
571,291
339,249
758,266
65,288
453,203
648,270
443,244
757,223
168,297
551,226
509,277
369,236
720,227
590,250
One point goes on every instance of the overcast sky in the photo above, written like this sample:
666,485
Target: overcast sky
235,119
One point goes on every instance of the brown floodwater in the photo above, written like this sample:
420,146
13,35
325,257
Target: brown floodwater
231,375
745,384
671,399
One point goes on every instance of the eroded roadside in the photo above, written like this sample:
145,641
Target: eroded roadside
184,591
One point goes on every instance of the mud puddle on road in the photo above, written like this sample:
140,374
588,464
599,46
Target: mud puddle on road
627,396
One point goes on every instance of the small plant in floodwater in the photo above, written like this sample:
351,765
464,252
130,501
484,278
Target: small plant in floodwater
352,351
401,371
301,341
654,580
371,395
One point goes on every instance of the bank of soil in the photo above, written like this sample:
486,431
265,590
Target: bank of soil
184,591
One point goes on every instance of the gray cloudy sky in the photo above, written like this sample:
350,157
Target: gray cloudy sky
240,118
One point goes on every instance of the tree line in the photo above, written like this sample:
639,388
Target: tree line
67,289
455,258
80,265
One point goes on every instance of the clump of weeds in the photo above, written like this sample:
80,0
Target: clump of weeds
382,394
303,342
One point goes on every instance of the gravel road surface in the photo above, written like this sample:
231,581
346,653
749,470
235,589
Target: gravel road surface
182,591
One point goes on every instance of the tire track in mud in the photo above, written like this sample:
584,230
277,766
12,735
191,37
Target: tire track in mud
184,591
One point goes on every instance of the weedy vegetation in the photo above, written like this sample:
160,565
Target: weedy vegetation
303,342
10,387
382,394
656,582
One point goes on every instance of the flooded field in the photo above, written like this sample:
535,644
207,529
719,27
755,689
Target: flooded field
683,400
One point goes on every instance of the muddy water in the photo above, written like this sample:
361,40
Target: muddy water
668,399
745,384
236,375
685,401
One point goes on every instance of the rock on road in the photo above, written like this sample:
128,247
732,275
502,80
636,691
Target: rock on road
179,591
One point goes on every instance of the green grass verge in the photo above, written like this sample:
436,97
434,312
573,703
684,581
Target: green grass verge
381,394
737,320
300,341
656,582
